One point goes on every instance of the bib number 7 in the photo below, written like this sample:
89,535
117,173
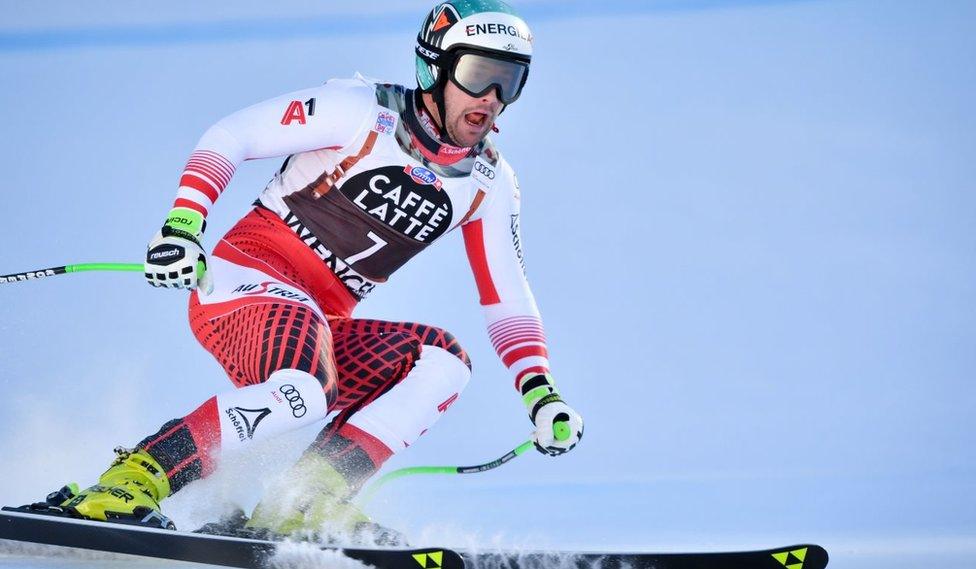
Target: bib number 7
378,243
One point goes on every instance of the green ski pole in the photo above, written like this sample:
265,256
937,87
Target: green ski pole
42,273
409,471
562,433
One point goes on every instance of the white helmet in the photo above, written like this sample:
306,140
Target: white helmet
480,45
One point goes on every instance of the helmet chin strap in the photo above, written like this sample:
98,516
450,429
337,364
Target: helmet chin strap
438,93
426,135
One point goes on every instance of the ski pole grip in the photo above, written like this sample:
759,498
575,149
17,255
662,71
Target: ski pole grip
560,429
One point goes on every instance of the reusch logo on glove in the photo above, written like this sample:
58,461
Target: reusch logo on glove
166,254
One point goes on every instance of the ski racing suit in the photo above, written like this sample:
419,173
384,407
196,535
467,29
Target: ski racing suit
366,185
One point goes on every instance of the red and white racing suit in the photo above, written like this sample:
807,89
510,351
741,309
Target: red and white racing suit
365,187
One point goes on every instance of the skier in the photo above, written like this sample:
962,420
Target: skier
374,174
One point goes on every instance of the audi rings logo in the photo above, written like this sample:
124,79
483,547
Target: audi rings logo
294,399
485,170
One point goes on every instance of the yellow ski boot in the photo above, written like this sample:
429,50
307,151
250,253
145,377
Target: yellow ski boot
128,492
313,501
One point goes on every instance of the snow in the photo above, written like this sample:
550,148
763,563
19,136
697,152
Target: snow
17,555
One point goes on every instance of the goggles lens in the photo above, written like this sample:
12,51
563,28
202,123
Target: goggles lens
476,74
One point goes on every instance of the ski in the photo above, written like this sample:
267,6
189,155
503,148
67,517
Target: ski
19,525
199,548
792,557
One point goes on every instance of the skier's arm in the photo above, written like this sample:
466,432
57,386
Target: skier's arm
329,116
493,243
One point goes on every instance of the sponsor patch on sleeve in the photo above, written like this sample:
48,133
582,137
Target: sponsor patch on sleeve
385,122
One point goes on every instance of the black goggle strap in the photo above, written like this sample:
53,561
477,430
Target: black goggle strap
437,58
430,53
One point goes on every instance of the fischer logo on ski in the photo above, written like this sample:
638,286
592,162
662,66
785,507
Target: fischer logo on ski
432,560
792,559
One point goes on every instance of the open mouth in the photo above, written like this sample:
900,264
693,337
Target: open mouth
476,119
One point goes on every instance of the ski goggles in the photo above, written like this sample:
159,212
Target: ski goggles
476,73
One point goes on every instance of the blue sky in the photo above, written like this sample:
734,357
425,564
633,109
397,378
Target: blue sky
749,226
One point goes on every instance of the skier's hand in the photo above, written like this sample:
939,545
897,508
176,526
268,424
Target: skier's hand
174,257
558,428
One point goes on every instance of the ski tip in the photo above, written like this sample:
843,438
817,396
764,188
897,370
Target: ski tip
803,556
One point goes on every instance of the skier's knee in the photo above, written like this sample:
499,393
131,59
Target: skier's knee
301,393
440,338
452,372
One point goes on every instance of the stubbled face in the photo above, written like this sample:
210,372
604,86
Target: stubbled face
469,118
